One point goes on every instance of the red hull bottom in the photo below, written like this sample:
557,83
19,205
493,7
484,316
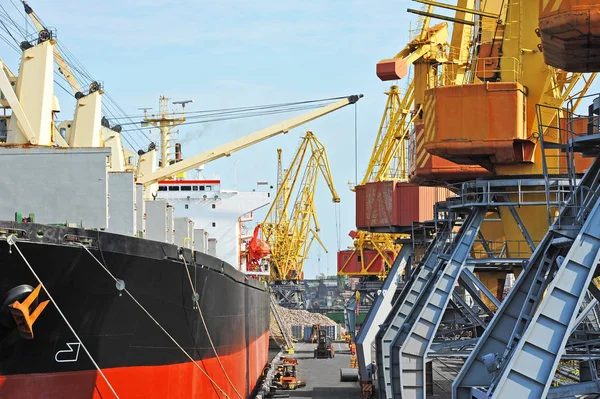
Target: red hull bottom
183,380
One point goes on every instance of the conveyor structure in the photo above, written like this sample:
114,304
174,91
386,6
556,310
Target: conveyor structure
521,344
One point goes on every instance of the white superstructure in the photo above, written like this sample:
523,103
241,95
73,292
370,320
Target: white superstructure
217,213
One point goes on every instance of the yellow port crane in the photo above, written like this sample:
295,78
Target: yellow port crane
375,252
291,224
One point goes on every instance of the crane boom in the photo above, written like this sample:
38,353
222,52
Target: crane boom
63,67
241,143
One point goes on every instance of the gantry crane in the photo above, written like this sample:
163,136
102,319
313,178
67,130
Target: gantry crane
476,107
373,253
291,224
88,131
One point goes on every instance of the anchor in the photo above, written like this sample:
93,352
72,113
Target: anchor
23,317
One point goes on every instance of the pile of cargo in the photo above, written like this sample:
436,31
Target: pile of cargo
291,317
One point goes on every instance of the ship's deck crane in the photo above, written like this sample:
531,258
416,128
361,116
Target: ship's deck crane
148,177
291,224
88,128
63,66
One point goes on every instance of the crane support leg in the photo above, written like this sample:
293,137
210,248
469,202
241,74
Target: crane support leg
410,294
522,332
378,313
410,347
545,338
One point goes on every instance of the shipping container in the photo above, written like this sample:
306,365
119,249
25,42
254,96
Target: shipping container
331,331
307,333
297,332
393,206
431,170
350,262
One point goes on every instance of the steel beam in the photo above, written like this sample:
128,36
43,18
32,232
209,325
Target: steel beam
412,343
440,16
410,294
574,390
378,313
461,9
546,336
522,227
469,278
501,350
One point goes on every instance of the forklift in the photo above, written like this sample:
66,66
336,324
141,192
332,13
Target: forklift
285,377
324,349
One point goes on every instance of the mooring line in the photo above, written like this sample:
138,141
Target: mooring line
121,283
206,327
12,241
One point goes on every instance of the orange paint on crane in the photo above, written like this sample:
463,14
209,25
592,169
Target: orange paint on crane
480,124
392,204
350,262
570,34
391,69
427,169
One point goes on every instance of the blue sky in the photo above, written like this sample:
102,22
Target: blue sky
235,53
230,53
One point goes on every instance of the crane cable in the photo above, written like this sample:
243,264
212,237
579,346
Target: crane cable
153,319
206,327
355,144
12,242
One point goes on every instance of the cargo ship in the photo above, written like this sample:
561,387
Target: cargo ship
120,276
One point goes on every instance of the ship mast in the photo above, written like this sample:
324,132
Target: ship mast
165,122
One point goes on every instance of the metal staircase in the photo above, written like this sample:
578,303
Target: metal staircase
520,350
377,313
544,339
423,316
408,297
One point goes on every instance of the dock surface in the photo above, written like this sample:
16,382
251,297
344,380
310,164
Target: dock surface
322,376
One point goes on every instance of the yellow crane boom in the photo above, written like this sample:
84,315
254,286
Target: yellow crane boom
290,235
226,150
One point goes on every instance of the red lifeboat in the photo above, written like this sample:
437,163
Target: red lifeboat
257,248
570,33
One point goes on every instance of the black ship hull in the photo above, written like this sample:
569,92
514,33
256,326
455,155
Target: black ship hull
135,352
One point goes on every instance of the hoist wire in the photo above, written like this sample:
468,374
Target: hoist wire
226,118
138,128
247,108
355,145
110,107
7,31
84,78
